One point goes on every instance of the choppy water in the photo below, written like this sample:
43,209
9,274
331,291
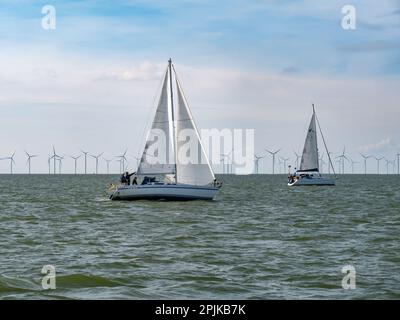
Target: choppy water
258,240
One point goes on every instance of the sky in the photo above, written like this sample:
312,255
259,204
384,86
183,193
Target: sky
92,83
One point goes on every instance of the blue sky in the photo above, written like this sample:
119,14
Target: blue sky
261,60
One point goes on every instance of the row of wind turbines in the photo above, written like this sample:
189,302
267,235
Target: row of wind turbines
340,161
55,161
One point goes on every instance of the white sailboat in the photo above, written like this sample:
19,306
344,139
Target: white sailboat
308,174
174,178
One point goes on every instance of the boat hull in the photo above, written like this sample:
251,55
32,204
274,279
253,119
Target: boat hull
314,181
163,192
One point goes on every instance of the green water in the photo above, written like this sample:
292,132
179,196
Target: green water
258,240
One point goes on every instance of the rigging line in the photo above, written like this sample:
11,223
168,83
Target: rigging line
194,124
326,148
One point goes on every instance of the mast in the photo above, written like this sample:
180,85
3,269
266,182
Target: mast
172,116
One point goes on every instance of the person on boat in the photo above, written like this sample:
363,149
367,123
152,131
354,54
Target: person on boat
123,179
134,181
128,177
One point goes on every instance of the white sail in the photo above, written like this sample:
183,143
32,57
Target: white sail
309,160
158,155
192,164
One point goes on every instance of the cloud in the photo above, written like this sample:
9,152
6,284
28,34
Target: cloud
145,71
384,146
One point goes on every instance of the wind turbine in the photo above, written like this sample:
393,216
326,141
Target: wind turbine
30,156
339,163
273,158
321,162
75,160
378,161
85,153
120,165
55,157
398,163
97,160
222,159
256,162
297,159
60,159
365,161
49,163
387,165
393,163
285,160
108,164
342,158
228,159
11,161
352,165
137,162
123,159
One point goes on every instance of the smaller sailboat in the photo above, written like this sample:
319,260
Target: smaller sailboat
163,171
308,174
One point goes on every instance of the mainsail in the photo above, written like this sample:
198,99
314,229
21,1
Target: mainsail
309,160
177,159
158,157
193,166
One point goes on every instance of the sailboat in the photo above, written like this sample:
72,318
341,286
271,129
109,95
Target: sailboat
308,174
172,178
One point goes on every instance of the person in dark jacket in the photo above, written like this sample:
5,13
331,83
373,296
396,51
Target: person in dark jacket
123,179
128,177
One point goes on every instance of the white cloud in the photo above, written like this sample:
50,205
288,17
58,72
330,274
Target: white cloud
384,146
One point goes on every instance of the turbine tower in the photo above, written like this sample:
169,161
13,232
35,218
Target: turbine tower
30,156
352,165
378,161
55,158
398,163
273,158
321,162
120,165
108,164
365,161
137,162
223,162
75,160
387,165
284,160
49,163
256,162
85,153
342,157
123,159
60,159
297,159
11,161
97,160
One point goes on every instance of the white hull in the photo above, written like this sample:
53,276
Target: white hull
312,181
163,192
